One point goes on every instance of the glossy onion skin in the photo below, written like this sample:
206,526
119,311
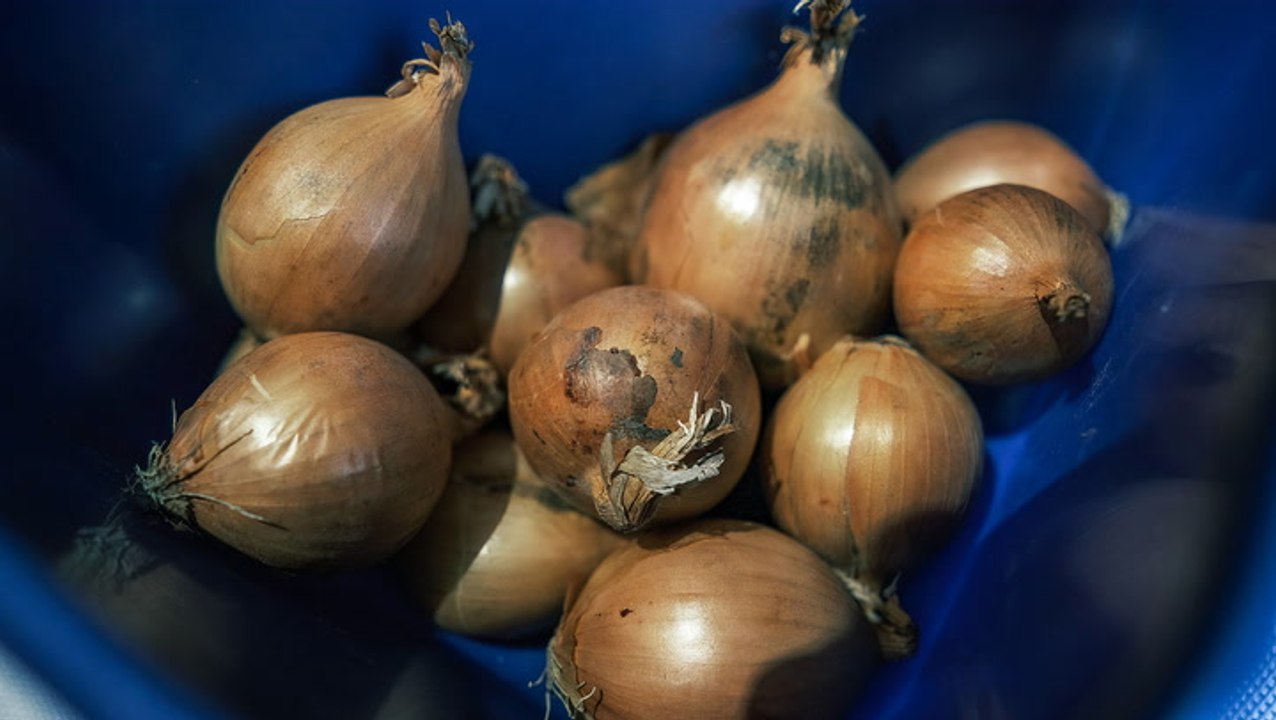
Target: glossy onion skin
337,442
871,457
351,214
500,551
628,360
719,619
996,152
980,277
778,214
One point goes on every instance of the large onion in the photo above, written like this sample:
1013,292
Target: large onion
636,403
777,213
716,619
315,449
870,459
352,214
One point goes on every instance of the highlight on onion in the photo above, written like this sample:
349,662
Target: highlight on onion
521,267
716,619
870,459
1003,284
352,214
777,212
501,549
638,404
314,450
995,152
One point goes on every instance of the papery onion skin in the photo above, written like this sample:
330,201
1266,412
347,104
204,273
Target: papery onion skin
628,364
314,450
501,549
870,459
995,152
352,214
1003,284
777,213
717,619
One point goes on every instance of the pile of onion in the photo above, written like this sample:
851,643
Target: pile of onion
313,450
501,549
870,459
352,214
777,212
636,404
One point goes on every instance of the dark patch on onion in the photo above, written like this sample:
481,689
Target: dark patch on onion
676,357
822,245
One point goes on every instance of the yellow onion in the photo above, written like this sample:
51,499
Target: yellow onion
715,620
777,213
314,450
870,459
352,214
610,201
521,267
1003,284
995,152
499,552
636,403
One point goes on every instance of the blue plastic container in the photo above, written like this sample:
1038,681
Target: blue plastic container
1120,557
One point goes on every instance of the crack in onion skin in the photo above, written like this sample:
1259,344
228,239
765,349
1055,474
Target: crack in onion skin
619,370
313,450
717,619
870,459
778,214
352,214
501,549
1003,284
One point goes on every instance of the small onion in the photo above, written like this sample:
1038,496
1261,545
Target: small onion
777,212
636,403
1003,284
352,214
870,459
314,450
501,549
719,619
996,152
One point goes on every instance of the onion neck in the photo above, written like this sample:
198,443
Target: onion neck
1065,303
803,74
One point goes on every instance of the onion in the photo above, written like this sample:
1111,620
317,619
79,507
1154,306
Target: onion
1003,284
314,450
777,213
717,619
501,549
994,152
611,200
352,214
244,343
636,403
870,459
521,267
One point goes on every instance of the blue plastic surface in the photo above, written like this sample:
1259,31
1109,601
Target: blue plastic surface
1119,558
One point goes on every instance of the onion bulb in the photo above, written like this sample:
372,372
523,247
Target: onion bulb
314,450
352,214
499,552
1003,284
996,152
718,619
777,213
637,404
521,267
870,459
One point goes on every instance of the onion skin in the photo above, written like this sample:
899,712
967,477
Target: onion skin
621,369
778,214
352,214
1003,284
996,152
244,343
501,549
714,620
314,450
870,459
